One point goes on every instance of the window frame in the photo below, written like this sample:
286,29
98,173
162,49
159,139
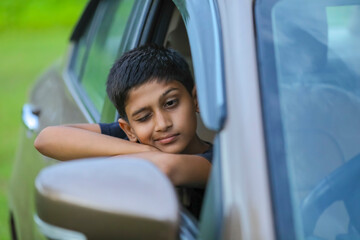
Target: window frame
92,23
284,223
208,65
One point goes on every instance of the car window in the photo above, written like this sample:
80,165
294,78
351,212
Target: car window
312,90
80,53
207,59
98,48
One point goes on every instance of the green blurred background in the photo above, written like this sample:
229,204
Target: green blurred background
33,34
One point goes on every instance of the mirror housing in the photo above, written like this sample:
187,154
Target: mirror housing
102,198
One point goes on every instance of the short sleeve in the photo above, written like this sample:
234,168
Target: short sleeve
207,154
112,129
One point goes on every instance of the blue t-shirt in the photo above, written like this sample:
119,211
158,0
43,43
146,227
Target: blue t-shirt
191,198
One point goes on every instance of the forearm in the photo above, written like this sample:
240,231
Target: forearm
181,169
190,171
66,142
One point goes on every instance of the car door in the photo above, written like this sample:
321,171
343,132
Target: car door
309,73
72,91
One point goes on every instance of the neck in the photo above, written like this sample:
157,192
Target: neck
196,146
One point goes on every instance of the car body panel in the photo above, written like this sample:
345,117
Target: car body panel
28,160
243,155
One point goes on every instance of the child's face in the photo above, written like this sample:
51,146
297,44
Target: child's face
163,115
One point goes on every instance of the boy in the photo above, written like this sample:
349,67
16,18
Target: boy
154,93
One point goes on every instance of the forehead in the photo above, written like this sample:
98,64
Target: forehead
150,93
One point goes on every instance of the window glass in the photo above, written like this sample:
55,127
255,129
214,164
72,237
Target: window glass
101,52
78,59
316,68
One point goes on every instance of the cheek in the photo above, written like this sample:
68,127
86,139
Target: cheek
186,119
143,132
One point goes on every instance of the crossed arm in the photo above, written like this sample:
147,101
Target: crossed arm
85,140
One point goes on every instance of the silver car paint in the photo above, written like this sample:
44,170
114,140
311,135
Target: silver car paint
246,188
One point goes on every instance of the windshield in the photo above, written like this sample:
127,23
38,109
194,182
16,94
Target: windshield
309,65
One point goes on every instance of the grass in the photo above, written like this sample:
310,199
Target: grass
24,55
33,34
39,14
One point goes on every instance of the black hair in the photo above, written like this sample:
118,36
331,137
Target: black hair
144,64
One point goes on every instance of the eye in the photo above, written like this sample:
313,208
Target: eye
171,103
144,118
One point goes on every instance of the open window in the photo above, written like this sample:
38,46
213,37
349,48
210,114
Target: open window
169,30
201,47
177,38
164,23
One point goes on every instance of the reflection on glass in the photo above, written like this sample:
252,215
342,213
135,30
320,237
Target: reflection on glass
317,62
104,49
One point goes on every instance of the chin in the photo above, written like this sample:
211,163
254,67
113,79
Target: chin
172,149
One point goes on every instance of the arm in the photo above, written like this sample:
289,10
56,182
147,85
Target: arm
181,169
83,140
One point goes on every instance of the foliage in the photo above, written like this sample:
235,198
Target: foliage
33,33
39,14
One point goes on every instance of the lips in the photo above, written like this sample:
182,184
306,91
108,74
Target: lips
167,139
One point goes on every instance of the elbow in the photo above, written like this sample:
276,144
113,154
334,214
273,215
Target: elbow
38,143
41,142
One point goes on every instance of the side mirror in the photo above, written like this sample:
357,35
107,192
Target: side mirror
102,198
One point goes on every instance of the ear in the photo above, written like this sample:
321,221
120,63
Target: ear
196,103
125,126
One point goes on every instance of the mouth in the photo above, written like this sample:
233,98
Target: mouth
167,139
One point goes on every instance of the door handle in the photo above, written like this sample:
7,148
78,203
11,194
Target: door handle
30,117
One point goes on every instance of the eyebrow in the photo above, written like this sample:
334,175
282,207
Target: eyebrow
168,91
138,111
162,95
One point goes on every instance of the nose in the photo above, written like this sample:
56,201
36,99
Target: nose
162,122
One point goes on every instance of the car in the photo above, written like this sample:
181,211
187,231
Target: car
278,87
